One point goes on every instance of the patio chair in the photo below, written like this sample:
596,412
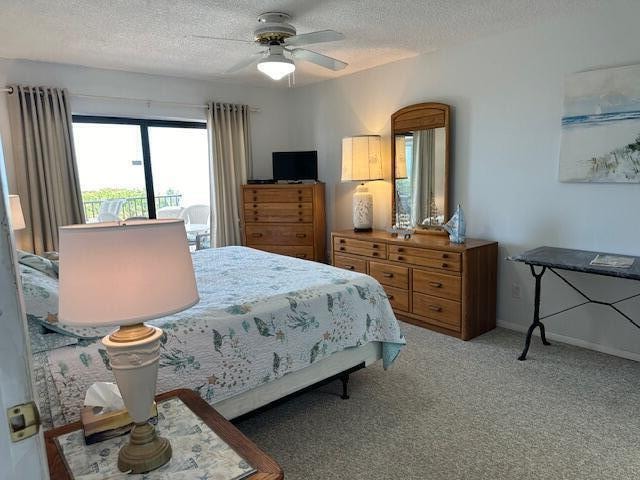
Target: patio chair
110,210
169,212
196,220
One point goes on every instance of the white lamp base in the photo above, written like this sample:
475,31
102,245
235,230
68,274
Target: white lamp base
362,209
134,354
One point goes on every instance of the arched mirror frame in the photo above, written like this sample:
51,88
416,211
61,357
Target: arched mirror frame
421,116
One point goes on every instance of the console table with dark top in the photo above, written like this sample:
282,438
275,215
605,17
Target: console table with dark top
552,259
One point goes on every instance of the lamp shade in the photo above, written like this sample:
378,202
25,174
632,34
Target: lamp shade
17,219
276,66
124,273
401,157
361,158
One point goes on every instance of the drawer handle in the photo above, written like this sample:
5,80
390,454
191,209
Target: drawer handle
375,245
299,192
255,199
445,265
255,219
255,205
300,219
342,240
387,274
256,235
299,205
255,212
400,258
299,199
390,297
342,249
254,191
435,284
445,255
349,267
301,235
375,254
400,250
435,308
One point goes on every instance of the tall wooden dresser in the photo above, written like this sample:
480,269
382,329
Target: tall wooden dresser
430,282
288,219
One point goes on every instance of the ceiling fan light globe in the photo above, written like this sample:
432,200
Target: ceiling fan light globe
276,68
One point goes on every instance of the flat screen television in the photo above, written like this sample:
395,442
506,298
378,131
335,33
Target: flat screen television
295,165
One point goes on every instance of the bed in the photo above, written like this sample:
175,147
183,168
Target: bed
266,326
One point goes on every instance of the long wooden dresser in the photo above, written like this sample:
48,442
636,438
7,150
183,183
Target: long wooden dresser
430,282
288,219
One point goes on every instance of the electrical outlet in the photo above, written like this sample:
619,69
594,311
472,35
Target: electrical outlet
515,291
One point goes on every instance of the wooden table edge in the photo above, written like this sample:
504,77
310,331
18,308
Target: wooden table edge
267,468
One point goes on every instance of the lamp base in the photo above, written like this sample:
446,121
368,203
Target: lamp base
362,209
145,451
360,230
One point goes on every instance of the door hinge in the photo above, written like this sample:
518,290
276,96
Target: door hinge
24,421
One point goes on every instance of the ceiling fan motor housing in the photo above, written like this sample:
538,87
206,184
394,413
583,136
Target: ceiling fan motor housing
273,28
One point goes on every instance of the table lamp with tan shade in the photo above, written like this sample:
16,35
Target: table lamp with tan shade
123,274
362,162
17,218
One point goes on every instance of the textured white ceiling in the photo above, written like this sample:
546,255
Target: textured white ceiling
154,36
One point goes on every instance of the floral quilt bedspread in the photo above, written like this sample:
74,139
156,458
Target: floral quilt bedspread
260,316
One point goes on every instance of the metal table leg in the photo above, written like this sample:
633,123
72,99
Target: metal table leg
536,315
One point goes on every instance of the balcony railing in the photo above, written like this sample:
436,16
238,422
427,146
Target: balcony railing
132,206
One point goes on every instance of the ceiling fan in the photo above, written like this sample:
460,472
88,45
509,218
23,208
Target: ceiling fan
278,36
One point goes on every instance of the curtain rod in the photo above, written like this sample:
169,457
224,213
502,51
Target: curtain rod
148,102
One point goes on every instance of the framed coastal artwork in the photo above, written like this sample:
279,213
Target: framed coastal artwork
601,126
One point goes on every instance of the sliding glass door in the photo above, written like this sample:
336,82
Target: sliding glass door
135,168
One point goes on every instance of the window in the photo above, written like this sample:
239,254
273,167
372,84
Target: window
142,168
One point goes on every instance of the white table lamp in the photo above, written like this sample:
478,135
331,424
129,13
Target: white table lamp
17,219
123,274
362,162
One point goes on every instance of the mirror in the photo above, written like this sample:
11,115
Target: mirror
420,166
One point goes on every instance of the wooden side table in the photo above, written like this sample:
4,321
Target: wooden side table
266,468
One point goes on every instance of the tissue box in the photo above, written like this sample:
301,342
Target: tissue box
98,426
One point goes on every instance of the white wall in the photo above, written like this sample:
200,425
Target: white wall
506,92
267,131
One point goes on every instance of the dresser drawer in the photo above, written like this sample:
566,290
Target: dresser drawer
445,313
437,284
281,212
278,235
391,275
426,258
297,251
360,247
398,298
349,263
269,195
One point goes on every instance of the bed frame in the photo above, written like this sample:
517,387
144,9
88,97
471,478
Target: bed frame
338,365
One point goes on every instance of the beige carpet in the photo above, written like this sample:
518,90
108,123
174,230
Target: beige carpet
465,410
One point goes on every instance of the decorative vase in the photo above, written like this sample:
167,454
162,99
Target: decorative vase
456,227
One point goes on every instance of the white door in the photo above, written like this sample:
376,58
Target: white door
25,459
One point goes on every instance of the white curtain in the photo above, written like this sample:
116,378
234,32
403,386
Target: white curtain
229,167
422,176
45,164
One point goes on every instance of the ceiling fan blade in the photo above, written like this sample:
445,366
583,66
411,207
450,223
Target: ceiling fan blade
317,58
244,63
314,37
207,37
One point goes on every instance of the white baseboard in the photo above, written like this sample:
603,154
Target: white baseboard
572,341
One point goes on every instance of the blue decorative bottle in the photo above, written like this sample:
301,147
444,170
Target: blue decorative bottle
456,227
